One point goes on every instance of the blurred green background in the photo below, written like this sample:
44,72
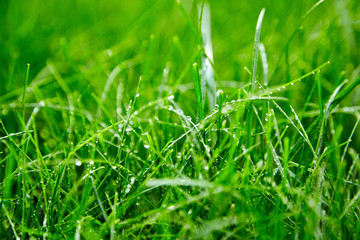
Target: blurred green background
85,40
35,31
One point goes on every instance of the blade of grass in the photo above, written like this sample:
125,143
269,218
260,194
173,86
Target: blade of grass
256,50
345,92
208,84
326,116
264,64
200,106
108,84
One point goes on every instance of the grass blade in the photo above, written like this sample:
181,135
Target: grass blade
200,106
264,64
208,84
256,50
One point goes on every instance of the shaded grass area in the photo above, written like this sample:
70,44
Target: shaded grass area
108,134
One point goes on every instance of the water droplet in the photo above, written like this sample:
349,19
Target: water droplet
172,207
171,97
146,146
78,162
109,52
91,162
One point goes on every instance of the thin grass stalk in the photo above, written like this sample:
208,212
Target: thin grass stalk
265,64
256,50
208,84
200,106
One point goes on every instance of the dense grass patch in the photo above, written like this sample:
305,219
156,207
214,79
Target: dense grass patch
179,119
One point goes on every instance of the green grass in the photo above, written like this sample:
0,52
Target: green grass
123,120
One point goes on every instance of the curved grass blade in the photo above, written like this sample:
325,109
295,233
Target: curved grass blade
208,84
256,50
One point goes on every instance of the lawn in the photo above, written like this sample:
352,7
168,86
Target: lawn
188,119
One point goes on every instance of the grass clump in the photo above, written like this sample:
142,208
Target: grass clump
116,130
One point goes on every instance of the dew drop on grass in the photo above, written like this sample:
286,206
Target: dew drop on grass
78,162
171,97
190,212
146,146
172,207
91,162
109,52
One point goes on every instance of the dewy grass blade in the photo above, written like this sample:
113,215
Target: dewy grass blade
179,182
200,106
221,96
24,94
264,64
346,91
326,115
349,140
318,79
208,84
256,50
23,169
282,87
